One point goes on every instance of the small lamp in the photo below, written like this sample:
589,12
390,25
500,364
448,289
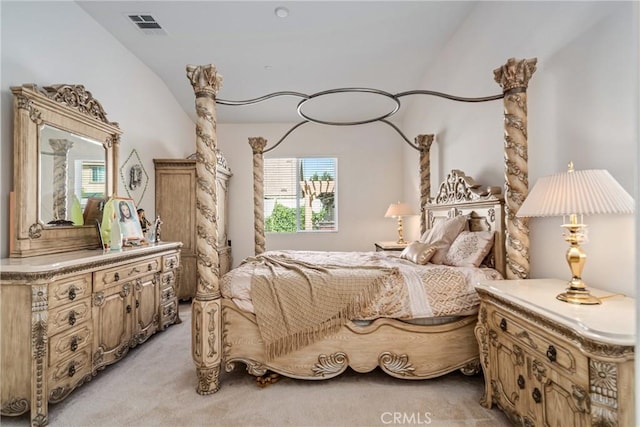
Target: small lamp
574,193
398,210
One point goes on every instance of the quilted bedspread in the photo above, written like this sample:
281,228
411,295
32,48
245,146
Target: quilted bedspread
423,291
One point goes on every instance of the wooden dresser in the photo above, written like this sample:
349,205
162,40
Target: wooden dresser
176,205
68,315
551,363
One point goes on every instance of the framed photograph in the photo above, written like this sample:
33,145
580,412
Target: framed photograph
125,210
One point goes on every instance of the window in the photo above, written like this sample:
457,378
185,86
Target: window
300,194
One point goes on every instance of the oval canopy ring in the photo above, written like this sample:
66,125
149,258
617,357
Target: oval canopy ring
372,104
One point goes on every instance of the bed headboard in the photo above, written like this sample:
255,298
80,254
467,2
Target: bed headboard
484,207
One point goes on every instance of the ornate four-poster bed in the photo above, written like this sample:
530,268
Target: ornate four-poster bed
224,334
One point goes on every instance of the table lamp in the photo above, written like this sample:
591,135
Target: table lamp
398,210
572,194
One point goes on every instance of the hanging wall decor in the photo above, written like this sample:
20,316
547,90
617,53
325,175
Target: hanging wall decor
134,177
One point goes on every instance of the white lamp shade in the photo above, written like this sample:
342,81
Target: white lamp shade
399,209
583,192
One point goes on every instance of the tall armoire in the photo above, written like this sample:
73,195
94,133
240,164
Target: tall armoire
176,205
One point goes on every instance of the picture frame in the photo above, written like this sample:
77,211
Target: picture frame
93,209
126,213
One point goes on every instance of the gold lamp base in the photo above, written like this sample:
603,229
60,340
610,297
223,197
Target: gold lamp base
400,240
577,292
578,296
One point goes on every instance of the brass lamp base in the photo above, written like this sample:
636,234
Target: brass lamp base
578,296
400,240
577,292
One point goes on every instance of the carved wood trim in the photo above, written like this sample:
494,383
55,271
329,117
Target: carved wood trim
587,345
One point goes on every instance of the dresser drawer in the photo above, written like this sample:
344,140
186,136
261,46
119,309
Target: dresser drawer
169,311
170,262
70,342
70,290
113,276
68,316
167,294
66,374
168,279
530,337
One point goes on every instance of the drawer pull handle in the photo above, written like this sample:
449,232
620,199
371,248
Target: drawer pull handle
537,396
129,308
116,277
149,267
137,303
72,317
72,370
74,343
72,293
551,353
503,324
521,382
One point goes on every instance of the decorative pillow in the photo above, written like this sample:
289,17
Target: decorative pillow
469,248
444,232
419,253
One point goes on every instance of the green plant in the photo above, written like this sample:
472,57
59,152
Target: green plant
282,219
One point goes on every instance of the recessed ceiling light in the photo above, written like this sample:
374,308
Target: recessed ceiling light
268,67
281,12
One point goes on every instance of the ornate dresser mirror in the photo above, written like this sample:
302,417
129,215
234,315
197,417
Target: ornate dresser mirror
65,159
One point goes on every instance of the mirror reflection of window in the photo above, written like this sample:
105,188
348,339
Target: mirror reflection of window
93,180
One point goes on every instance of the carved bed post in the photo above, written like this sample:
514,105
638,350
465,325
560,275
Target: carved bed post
514,78
206,329
424,143
257,145
61,149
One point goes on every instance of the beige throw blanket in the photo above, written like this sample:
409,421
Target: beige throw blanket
297,303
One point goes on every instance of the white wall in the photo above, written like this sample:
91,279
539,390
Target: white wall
41,45
370,177
582,108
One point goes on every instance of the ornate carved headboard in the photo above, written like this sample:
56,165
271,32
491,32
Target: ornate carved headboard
484,207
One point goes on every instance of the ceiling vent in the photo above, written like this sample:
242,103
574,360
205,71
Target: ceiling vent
147,24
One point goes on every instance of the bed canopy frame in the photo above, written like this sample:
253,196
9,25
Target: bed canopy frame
207,314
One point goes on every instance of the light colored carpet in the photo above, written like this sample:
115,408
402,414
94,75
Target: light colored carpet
154,385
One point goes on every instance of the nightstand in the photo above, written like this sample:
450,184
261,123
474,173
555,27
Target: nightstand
390,246
548,362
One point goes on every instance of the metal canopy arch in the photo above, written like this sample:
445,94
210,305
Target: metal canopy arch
381,118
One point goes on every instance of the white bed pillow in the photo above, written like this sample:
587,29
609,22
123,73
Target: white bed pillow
469,249
418,252
444,233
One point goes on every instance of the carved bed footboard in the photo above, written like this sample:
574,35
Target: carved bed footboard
400,349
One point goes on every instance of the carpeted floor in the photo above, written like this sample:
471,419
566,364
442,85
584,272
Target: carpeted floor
154,385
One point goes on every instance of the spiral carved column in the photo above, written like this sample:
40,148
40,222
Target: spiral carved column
514,78
206,329
424,143
257,145
61,149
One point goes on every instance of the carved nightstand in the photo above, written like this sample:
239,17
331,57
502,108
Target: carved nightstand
548,362
390,246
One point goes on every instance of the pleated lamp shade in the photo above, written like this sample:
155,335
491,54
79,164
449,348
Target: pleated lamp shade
583,192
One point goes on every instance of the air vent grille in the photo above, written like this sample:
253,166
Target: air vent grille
146,23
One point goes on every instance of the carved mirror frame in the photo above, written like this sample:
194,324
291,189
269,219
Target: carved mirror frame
69,108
